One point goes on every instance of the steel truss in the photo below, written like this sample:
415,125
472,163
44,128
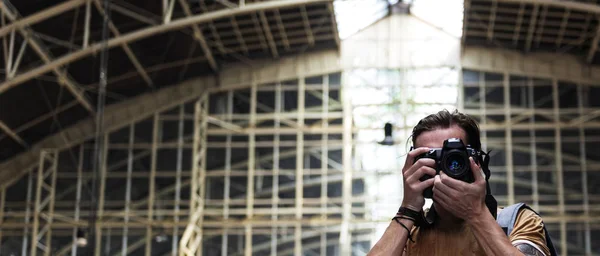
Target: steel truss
523,137
165,210
43,214
191,241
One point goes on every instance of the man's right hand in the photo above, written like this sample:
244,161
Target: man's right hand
413,187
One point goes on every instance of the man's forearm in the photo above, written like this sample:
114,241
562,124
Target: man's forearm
491,237
393,240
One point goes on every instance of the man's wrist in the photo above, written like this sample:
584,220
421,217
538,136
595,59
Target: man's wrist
408,212
411,207
477,219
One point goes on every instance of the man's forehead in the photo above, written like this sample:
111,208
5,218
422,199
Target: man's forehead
436,138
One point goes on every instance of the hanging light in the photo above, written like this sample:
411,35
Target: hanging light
81,239
388,140
161,237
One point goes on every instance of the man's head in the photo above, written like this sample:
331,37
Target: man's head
434,129
445,121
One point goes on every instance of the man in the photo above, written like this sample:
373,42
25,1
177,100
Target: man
464,224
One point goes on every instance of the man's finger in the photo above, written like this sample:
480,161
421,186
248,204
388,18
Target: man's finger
476,170
425,184
440,187
423,162
450,182
410,157
420,172
441,199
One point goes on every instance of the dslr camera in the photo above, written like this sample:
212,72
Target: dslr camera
453,160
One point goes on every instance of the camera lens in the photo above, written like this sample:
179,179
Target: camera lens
455,164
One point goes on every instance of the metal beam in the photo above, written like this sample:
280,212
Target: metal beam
335,25
238,34
198,36
585,7
532,25
281,29
40,16
467,9
259,32
307,28
267,29
492,21
44,54
585,117
594,45
13,134
132,14
134,60
152,31
519,23
540,30
563,26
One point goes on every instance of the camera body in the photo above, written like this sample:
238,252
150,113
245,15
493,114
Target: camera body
453,160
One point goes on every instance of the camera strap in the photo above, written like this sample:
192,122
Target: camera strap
490,201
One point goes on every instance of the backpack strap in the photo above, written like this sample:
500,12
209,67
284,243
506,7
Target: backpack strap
508,216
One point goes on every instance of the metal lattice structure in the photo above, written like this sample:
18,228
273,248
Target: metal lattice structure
256,133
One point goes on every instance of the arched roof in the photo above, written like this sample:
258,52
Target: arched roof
51,51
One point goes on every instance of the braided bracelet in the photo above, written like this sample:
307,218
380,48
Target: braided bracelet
404,226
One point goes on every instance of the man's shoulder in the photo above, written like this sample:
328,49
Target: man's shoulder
525,212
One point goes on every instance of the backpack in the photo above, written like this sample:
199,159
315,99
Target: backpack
507,217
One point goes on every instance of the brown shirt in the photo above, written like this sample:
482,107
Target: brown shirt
431,241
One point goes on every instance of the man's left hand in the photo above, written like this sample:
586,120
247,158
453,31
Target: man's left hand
461,199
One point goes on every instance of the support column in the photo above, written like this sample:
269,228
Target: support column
101,194
482,107
251,170
130,157
275,194
78,199
510,169
461,91
2,205
299,164
345,233
584,174
179,167
152,184
324,165
27,219
44,202
533,147
559,167
227,181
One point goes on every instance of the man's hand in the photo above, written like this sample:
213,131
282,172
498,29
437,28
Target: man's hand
411,173
461,199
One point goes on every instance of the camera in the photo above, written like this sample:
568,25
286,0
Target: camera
453,160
